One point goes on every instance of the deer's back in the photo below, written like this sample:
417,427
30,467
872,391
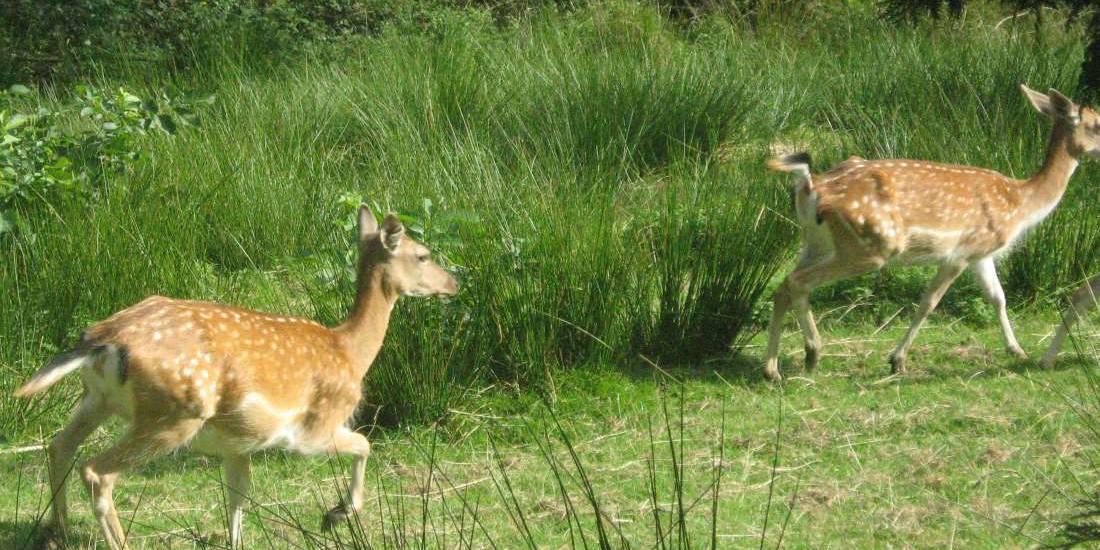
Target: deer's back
920,210
258,379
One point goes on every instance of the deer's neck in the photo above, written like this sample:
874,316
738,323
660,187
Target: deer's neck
1042,192
365,328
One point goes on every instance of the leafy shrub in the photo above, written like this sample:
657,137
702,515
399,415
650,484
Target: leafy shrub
66,150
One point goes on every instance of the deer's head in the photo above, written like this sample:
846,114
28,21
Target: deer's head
406,266
1083,122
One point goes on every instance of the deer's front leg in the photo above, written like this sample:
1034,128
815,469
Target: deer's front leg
986,272
238,476
1085,297
345,441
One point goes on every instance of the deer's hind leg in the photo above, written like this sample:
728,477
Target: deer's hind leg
146,440
795,292
89,414
812,254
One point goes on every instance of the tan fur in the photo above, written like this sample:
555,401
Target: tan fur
909,210
233,381
199,359
863,214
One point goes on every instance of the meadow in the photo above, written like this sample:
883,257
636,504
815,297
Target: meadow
595,177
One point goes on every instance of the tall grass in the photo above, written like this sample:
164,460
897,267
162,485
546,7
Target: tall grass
595,178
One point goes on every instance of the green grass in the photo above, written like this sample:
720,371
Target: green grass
596,180
969,449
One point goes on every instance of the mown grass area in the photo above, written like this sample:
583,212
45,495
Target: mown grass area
969,450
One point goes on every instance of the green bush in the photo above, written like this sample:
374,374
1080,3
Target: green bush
47,153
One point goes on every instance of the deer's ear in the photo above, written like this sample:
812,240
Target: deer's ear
392,232
1039,100
1054,105
367,224
1067,109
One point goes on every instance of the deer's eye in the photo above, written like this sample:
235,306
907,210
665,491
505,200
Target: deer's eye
423,258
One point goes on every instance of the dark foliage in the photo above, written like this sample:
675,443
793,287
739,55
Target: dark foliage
47,39
1090,67
915,9
1089,83
748,11
50,40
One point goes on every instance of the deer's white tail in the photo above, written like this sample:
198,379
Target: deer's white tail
798,163
62,365
805,196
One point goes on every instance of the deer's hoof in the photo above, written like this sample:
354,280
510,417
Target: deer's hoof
1018,353
336,516
56,530
813,356
897,364
771,372
1048,360
51,537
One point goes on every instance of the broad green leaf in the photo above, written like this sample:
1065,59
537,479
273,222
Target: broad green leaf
128,98
350,200
7,223
16,120
19,89
59,169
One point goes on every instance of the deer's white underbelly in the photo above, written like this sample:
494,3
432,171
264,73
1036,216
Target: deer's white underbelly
929,245
268,426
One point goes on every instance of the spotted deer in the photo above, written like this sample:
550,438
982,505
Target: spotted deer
1087,296
863,214
230,381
